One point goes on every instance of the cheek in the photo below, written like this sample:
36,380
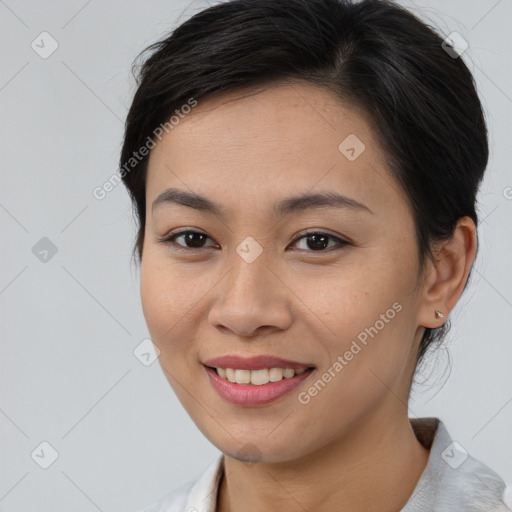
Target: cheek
371,312
355,298
166,300
168,307
154,297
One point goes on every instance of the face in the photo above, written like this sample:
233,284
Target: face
331,288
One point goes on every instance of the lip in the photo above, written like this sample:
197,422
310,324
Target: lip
254,362
250,394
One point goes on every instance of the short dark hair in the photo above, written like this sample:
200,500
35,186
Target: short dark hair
374,54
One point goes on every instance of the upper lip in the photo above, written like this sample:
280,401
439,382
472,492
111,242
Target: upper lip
253,363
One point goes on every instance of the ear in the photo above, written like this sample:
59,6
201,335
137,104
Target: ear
446,276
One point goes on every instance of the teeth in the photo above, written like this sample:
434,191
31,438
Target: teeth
275,374
258,377
288,372
242,376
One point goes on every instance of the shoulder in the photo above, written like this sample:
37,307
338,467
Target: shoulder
197,495
474,485
455,480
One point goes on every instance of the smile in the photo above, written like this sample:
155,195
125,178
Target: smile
255,387
258,377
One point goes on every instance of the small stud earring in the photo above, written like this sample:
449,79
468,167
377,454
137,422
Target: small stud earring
439,314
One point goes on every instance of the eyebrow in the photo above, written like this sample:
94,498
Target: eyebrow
284,207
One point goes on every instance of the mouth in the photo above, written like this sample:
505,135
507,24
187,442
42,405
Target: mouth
258,377
257,380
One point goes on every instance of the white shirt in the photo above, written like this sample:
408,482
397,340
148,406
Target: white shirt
452,481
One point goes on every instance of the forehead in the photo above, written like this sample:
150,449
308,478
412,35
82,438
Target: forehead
270,143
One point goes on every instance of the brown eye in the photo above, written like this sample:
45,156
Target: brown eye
318,241
191,239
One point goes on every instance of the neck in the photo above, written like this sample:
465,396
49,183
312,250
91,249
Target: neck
374,468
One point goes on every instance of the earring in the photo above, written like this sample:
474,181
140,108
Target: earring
439,314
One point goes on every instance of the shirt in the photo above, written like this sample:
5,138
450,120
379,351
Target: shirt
452,481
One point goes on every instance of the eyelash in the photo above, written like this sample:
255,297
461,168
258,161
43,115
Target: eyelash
169,239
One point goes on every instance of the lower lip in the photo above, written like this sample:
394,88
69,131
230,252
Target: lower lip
251,394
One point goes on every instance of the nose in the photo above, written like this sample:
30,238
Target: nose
251,300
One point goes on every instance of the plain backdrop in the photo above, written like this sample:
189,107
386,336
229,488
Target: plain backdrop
70,309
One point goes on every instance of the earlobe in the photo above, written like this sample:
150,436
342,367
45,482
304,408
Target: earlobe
447,274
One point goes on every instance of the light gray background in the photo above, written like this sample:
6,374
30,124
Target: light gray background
68,375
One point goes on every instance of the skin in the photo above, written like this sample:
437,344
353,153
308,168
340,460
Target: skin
352,446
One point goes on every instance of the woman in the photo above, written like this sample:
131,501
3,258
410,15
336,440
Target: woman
304,174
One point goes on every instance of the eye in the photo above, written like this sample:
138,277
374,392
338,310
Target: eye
319,240
194,238
316,241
